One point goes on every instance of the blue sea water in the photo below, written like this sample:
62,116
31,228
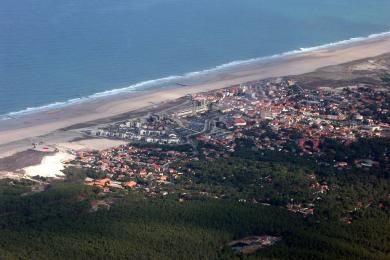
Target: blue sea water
54,51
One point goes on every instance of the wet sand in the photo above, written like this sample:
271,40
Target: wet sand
43,123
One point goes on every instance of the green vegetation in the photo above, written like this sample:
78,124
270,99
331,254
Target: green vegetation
11,189
57,224
386,79
248,179
213,203
376,149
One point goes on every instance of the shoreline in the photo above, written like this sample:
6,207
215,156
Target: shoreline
190,76
45,122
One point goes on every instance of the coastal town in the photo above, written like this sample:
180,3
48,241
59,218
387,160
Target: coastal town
289,143
271,115
195,129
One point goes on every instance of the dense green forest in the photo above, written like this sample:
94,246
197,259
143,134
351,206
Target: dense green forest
224,199
57,223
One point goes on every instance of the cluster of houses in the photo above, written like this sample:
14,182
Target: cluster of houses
274,115
250,245
280,115
151,129
130,167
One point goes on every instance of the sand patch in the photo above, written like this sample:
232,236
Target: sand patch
91,144
51,166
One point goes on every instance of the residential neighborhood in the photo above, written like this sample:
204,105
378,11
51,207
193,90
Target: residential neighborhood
269,115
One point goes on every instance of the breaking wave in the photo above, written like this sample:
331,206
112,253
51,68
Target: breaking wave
191,75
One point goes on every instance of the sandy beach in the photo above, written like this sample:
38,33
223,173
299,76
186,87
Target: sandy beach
43,123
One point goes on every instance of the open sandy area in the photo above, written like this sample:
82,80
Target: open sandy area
51,165
91,144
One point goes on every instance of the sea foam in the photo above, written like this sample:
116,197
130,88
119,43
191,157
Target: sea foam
188,76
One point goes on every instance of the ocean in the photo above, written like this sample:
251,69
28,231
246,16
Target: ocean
54,53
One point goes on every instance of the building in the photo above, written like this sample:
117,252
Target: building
239,122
